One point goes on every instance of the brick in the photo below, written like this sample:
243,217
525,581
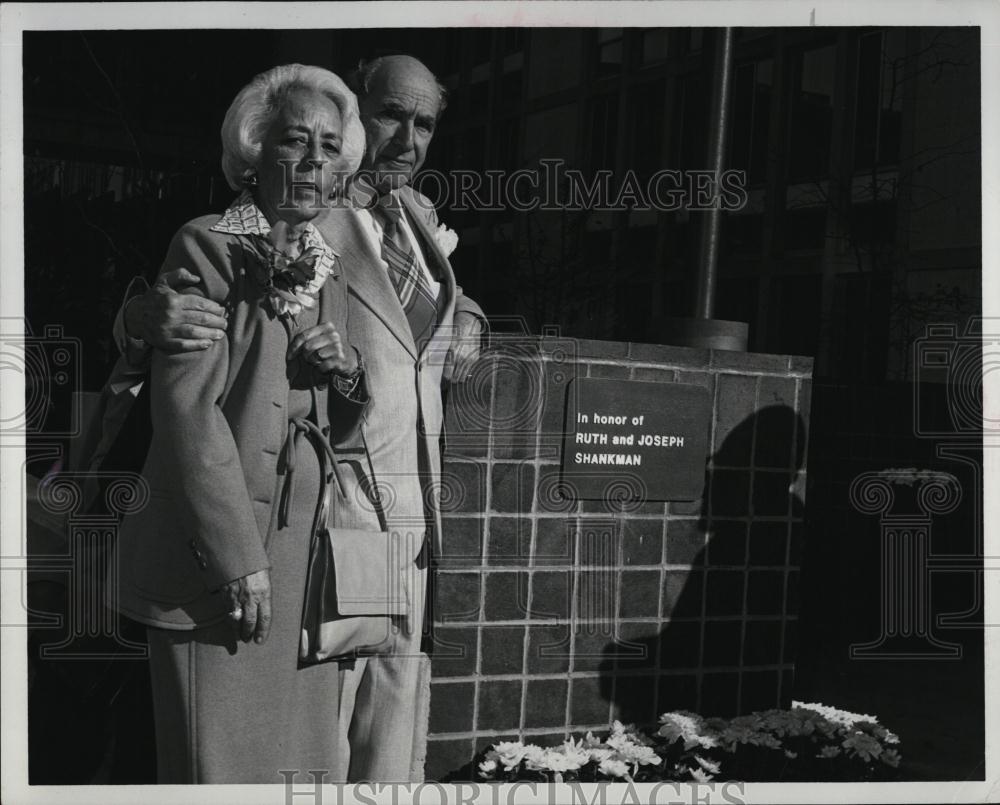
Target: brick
737,395
586,348
728,545
705,379
770,493
509,541
634,697
506,596
548,649
791,641
682,593
503,650
589,705
517,404
762,644
550,594
499,705
467,411
724,592
456,596
800,363
719,695
554,538
640,594
462,540
730,493
749,362
453,651
638,642
767,543
722,643
608,370
796,530
513,487
597,542
642,542
546,703
775,423
765,590
593,647
792,593
451,707
677,692
596,594
653,374
759,691
680,646
688,357
685,542
554,495
446,759
463,487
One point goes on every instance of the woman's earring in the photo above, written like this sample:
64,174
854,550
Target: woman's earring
250,180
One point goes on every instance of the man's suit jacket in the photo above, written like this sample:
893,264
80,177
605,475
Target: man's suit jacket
219,423
404,416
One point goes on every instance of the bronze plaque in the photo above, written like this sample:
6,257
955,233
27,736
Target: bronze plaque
630,439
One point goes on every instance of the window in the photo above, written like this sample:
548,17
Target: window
752,88
610,51
879,94
654,46
811,113
604,132
646,102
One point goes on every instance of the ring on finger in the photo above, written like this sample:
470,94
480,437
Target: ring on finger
236,614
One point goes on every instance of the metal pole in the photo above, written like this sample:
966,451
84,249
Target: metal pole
722,84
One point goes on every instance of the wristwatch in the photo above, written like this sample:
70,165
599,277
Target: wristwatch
347,383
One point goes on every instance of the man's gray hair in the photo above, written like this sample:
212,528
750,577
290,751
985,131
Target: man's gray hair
256,105
360,78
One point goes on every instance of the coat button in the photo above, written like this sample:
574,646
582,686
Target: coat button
202,564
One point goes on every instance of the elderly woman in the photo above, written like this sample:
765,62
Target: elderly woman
215,564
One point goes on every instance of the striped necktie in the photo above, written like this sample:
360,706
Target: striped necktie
415,295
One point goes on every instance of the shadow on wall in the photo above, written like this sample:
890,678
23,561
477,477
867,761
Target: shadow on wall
728,587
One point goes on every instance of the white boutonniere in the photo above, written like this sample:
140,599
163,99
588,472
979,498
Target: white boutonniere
447,239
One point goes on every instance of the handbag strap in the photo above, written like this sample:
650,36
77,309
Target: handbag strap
376,495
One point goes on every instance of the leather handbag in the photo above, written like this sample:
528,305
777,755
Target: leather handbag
355,593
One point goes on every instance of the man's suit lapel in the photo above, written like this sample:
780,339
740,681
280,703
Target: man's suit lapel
341,228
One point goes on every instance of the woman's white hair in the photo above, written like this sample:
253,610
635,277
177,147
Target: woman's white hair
255,106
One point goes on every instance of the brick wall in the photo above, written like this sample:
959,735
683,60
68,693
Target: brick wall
553,615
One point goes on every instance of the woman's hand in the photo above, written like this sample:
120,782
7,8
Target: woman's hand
250,597
322,348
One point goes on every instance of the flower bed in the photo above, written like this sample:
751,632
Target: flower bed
808,742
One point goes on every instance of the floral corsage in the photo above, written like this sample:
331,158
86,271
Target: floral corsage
295,267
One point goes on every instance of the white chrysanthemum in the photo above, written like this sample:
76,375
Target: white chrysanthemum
613,768
700,776
510,753
687,728
842,717
707,765
487,768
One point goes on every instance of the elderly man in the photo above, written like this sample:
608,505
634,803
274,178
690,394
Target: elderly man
413,328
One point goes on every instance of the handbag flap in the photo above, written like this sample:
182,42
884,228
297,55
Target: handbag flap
368,566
